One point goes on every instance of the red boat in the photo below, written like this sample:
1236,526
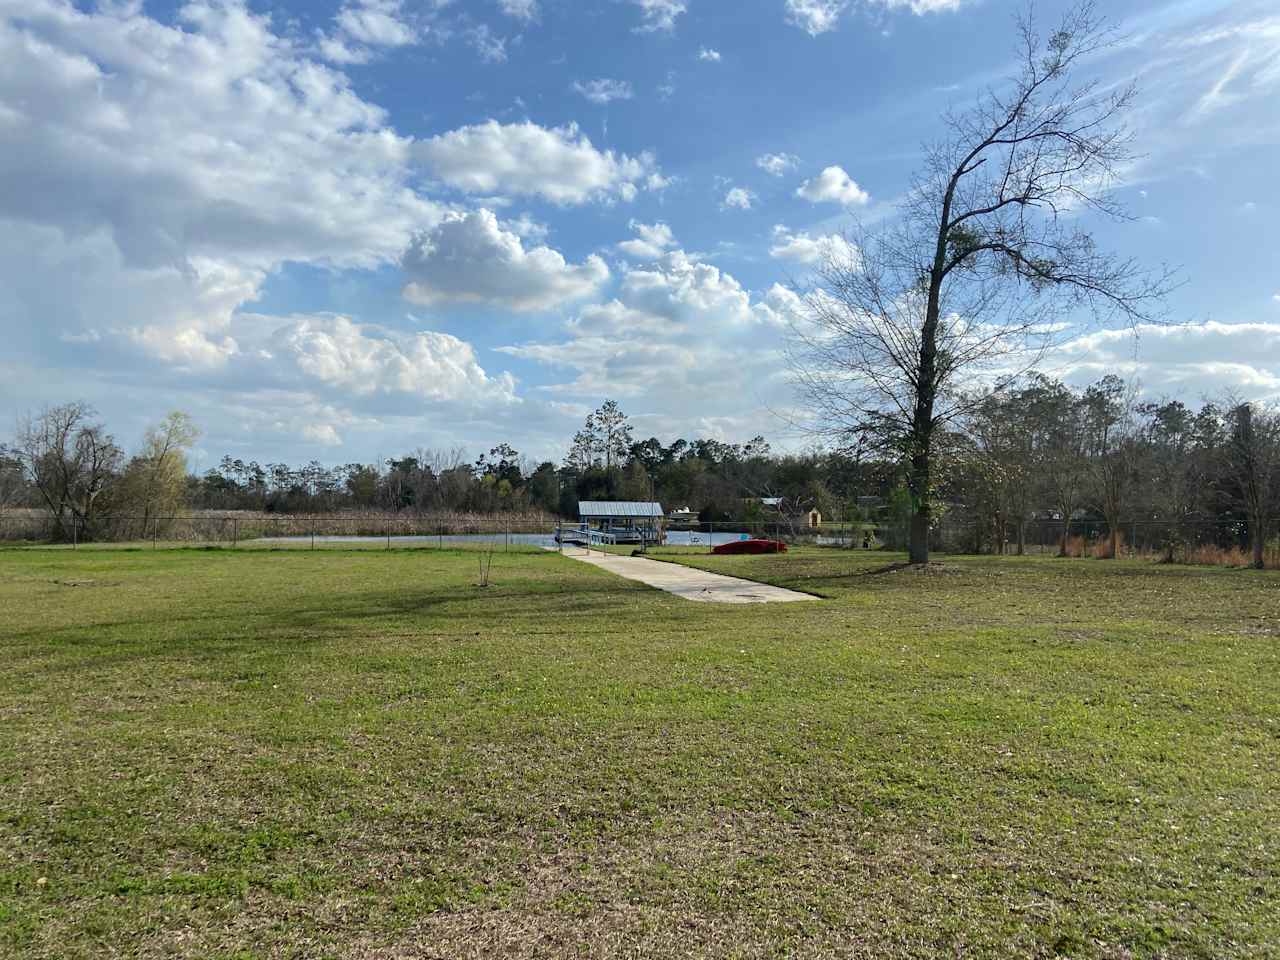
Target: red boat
751,546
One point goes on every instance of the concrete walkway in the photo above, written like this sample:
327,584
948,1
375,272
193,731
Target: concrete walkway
689,583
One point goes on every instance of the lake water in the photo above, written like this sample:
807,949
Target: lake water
675,538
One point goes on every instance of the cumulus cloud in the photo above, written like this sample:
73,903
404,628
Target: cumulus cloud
709,55
178,167
680,335
1186,360
362,359
470,258
738,198
803,248
650,242
363,25
833,185
523,159
777,164
603,90
659,14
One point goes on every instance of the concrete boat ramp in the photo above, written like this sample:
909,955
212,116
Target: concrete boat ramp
698,585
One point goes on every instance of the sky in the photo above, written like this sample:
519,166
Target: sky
342,231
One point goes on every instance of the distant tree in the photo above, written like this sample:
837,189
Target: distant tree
983,265
1253,461
544,487
70,460
614,433
14,490
1115,450
649,453
1060,464
361,483
154,482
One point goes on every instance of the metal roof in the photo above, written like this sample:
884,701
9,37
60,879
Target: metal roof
629,509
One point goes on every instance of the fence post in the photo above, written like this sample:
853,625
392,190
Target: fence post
440,542
235,531
155,532
312,524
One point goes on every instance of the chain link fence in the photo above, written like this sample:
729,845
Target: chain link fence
1188,541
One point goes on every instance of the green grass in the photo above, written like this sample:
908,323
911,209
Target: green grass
362,754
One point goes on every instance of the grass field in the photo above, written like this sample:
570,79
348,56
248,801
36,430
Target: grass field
363,754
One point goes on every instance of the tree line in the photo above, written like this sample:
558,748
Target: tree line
1033,451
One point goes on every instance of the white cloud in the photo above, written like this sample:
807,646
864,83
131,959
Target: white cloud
738,198
1191,360
922,7
680,335
325,434
470,258
659,14
1275,297
361,25
709,55
179,166
604,90
520,9
376,22
833,185
777,164
650,242
361,359
803,248
491,48
815,16
558,164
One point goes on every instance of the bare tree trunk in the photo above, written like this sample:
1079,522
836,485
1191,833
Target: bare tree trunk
1258,534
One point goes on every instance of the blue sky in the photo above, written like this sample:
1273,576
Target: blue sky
342,231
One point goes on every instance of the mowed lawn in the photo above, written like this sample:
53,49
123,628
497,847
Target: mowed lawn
350,753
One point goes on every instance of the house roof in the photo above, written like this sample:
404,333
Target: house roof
627,509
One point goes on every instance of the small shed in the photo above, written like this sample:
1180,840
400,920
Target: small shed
629,521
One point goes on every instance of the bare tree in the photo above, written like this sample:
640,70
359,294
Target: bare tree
986,260
13,482
70,461
1253,458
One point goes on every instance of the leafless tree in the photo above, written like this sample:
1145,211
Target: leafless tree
13,481
988,257
1253,459
70,461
